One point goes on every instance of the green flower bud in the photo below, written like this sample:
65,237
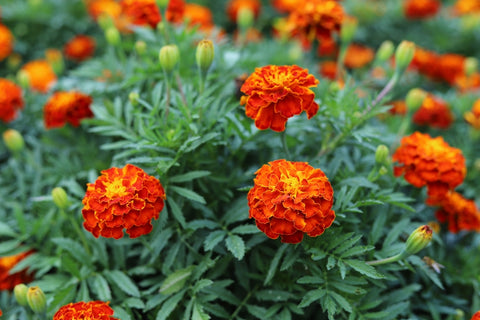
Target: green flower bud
140,47
459,315
382,155
23,78
13,140
36,299
383,170
245,18
471,66
414,98
168,57
349,27
60,198
204,54
133,97
20,292
385,51
112,35
404,55
105,21
417,240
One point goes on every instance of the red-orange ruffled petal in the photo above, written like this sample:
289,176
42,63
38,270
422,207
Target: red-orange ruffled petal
93,310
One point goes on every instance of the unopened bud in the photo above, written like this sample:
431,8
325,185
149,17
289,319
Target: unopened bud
36,299
460,315
14,60
13,140
133,97
105,21
140,47
404,55
23,78
415,98
470,66
382,154
349,27
417,240
55,59
20,292
382,171
204,54
385,51
112,35
245,18
60,198
168,57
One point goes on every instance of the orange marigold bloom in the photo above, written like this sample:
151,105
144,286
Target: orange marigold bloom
6,42
1,313
358,56
466,83
420,9
434,112
425,61
40,75
79,48
459,213
289,199
275,93
328,69
327,46
65,107
476,316
429,161
198,15
399,107
234,6
10,100
111,8
467,6
141,12
450,67
122,198
9,281
285,5
175,11
473,117
93,310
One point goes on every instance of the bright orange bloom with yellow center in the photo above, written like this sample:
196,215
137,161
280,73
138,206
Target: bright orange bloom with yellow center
473,117
420,9
9,281
459,213
65,107
6,42
358,56
10,100
110,8
198,15
290,199
429,161
433,112
93,310
141,12
467,6
234,6
275,93
40,75
476,316
122,198
285,5
79,48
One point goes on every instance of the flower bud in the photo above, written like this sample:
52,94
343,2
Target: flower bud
385,51
55,59
414,98
14,60
140,47
36,299
204,54
105,21
13,140
133,97
23,78
383,170
382,154
168,57
20,292
470,66
112,35
349,27
459,315
417,240
60,198
404,55
245,18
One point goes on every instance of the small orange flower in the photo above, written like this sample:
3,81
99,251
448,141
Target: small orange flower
466,83
1,313
6,42
234,6
358,56
122,198
466,6
450,67
421,9
473,117
425,61
399,107
328,69
476,316
275,93
289,199
10,100
458,212
40,74
141,12
429,161
285,5
198,15
9,281
93,310
327,46
175,11
433,112
65,107
97,8
79,48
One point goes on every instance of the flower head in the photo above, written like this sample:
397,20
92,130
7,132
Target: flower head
433,112
290,199
198,16
10,100
8,281
473,117
110,8
80,48
122,198
399,107
421,9
175,11
141,12
40,75
6,42
93,310
285,5
466,6
275,93
234,6
476,316
450,67
429,161
358,56
65,107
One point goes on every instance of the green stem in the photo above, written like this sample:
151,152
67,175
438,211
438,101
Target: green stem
284,143
395,258
243,303
167,103
202,79
77,230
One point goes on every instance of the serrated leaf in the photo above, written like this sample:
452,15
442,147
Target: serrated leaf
62,297
246,229
121,313
355,251
198,313
169,305
236,246
101,288
203,283
331,262
189,194
133,302
189,176
347,244
311,296
213,239
274,264
176,212
175,281
330,306
74,248
342,302
6,231
363,268
124,282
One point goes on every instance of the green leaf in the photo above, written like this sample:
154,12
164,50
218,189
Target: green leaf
331,307
123,282
213,239
75,249
203,283
121,313
169,305
175,281
71,266
189,194
177,212
6,231
236,246
363,268
198,313
133,302
101,288
246,229
311,296
274,264
189,176
62,297
331,262
341,301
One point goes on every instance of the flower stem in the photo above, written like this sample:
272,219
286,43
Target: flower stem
77,230
284,143
394,258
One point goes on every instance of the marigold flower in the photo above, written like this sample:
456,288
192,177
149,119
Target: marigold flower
234,6
175,11
462,7
6,42
473,117
93,310
476,316
433,112
421,9
141,12
327,46
122,198
466,83
110,8
41,76
425,61
9,281
275,93
10,100
79,48
459,213
198,15
358,56
285,5
399,107
289,199
65,107
451,66
429,161
328,69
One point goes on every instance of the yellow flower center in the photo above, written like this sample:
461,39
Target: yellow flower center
291,185
115,189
